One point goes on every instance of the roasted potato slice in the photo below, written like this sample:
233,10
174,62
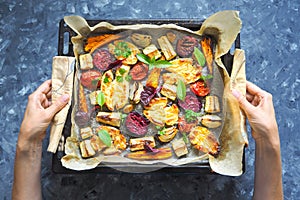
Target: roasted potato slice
204,140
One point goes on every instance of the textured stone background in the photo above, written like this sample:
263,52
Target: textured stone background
28,41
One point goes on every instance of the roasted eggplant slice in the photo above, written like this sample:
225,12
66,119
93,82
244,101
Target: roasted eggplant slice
136,144
111,118
212,104
179,147
211,121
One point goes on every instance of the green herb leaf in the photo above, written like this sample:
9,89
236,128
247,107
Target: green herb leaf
143,58
122,49
161,64
119,79
95,81
123,117
128,77
105,137
122,71
101,98
204,78
191,115
106,79
199,56
181,90
162,131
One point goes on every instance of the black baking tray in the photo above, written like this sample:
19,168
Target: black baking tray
65,48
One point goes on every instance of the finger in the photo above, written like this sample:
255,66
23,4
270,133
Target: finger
254,89
249,97
244,104
45,87
59,104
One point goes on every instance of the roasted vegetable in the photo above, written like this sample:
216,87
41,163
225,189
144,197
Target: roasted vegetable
204,140
90,79
184,67
139,71
82,118
153,78
135,92
107,88
120,88
141,39
86,132
212,104
86,149
152,52
207,51
124,51
102,59
171,114
185,46
211,121
137,124
200,88
155,111
138,143
171,78
179,147
97,144
96,42
167,134
85,61
161,154
184,126
190,102
118,139
147,94
111,118
166,48
82,100
169,91
171,36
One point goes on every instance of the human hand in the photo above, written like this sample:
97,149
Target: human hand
39,113
259,109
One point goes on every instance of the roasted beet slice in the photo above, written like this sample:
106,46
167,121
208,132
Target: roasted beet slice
102,59
185,46
190,102
137,124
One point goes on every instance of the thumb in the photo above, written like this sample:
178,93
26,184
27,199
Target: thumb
244,104
59,104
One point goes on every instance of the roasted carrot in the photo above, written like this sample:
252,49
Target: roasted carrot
163,153
207,51
82,100
94,43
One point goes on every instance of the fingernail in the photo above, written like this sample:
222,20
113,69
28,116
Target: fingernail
65,97
236,93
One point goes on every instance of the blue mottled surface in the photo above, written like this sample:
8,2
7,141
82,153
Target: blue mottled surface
28,41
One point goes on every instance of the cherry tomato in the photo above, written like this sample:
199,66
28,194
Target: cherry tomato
200,88
139,71
91,79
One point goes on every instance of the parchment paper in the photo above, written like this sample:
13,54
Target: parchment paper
62,83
